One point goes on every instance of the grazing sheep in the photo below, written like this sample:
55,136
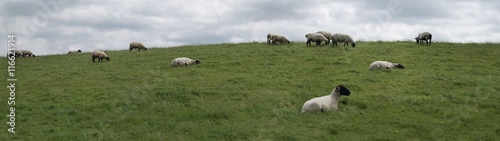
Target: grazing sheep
326,103
424,36
339,37
384,65
137,45
318,38
99,54
27,53
183,61
327,35
74,52
279,38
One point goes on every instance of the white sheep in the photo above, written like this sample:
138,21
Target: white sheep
424,36
27,53
269,36
137,45
183,61
279,38
327,35
339,37
384,65
99,54
74,51
316,37
327,102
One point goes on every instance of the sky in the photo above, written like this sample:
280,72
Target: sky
57,26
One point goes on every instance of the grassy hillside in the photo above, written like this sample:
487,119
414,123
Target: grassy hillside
253,91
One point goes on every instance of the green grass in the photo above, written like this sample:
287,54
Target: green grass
253,91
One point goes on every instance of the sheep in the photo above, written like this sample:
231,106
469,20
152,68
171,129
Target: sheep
183,61
384,64
137,45
279,38
339,37
99,54
16,53
318,38
269,36
27,53
424,36
74,52
326,103
327,35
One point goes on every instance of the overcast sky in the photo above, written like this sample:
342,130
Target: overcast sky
57,26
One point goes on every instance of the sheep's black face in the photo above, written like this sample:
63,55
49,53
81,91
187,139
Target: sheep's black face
343,90
353,44
197,61
399,66
416,39
107,59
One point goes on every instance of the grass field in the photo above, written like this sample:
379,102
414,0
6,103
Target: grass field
253,91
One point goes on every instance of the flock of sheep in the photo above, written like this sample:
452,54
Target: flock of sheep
330,102
100,55
314,105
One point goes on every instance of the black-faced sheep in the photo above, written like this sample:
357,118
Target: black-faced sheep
183,61
27,53
339,37
269,35
137,45
279,38
316,37
424,36
99,54
74,51
326,103
384,65
327,35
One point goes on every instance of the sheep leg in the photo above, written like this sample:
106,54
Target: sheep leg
93,60
318,43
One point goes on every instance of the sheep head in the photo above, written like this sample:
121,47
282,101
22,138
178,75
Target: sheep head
197,61
343,90
399,66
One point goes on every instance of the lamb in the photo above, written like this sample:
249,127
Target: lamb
424,36
269,36
318,38
339,37
326,103
27,53
74,52
183,61
327,35
137,45
279,38
99,54
384,64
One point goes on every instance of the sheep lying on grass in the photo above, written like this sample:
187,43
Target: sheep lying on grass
279,38
326,103
327,35
137,45
424,36
339,37
99,54
316,37
269,37
27,53
384,65
183,61
74,51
